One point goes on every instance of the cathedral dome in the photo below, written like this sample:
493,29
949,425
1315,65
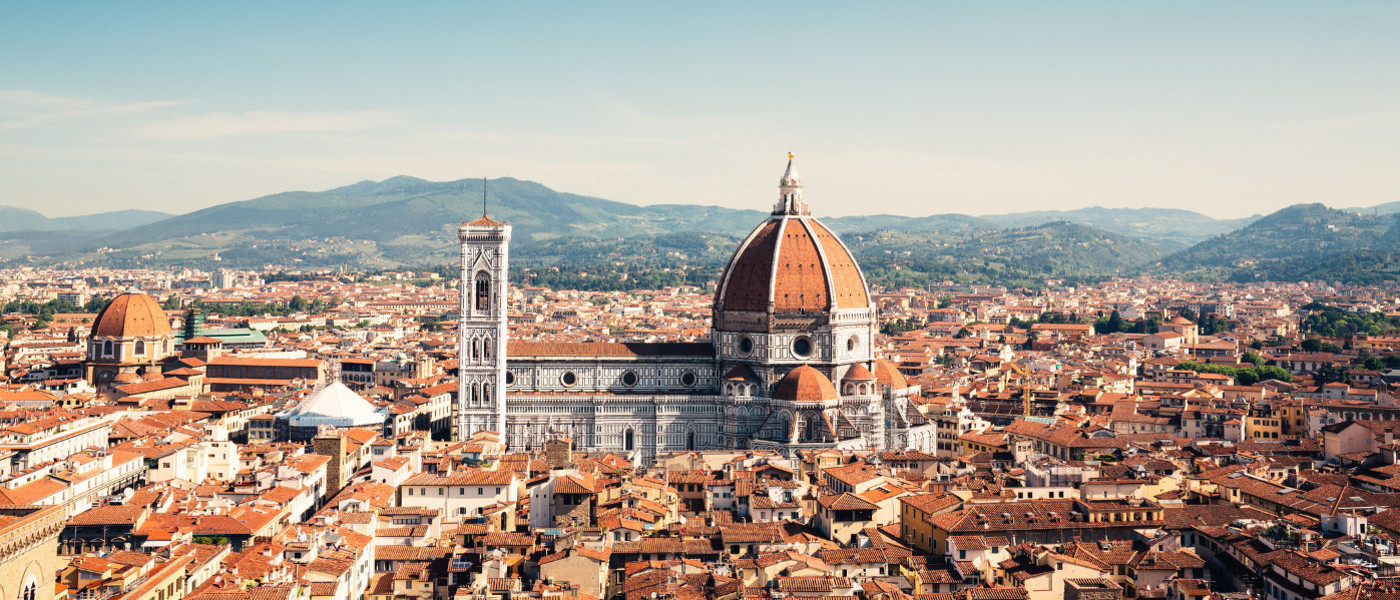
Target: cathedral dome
805,384
791,264
132,315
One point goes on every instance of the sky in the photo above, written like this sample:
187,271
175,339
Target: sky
1226,108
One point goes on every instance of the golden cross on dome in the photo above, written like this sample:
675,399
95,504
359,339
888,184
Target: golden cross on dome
789,155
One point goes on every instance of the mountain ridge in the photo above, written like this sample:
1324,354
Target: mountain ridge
408,221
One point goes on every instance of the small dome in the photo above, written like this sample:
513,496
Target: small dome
805,384
125,378
888,374
132,315
1179,320
858,372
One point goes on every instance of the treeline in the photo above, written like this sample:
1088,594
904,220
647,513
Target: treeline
1330,321
1241,375
52,307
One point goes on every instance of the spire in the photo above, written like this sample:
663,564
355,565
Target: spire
790,193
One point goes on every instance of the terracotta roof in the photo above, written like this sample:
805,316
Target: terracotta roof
485,221
132,315
805,384
791,264
858,372
887,374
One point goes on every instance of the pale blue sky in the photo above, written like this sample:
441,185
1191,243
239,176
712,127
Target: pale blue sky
908,108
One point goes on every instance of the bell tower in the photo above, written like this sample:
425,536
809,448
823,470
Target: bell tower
481,325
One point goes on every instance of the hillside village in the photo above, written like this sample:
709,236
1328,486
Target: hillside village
290,436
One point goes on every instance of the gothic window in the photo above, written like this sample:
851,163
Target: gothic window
627,440
486,349
690,440
476,349
31,591
483,291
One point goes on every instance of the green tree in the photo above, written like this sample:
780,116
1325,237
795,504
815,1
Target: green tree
1113,324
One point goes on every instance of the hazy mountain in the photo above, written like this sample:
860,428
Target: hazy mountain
1300,242
22,219
1170,227
110,221
405,221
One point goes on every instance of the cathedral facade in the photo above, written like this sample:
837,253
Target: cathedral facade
790,365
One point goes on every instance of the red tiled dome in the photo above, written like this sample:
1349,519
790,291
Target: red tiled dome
132,315
805,384
858,372
796,264
888,374
791,263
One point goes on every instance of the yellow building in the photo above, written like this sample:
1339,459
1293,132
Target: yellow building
1263,424
915,513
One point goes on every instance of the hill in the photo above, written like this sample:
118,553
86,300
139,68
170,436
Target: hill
14,219
405,221
1016,256
1300,242
1169,227
21,219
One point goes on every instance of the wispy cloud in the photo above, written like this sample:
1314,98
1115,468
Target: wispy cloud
264,122
26,109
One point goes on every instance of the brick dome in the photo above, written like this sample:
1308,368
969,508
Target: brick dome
858,372
805,384
888,374
791,264
132,315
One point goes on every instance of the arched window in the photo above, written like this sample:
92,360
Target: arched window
107,348
476,349
483,291
140,347
486,349
627,440
31,591
690,440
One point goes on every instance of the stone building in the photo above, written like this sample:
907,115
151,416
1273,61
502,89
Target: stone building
29,551
790,365
129,338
